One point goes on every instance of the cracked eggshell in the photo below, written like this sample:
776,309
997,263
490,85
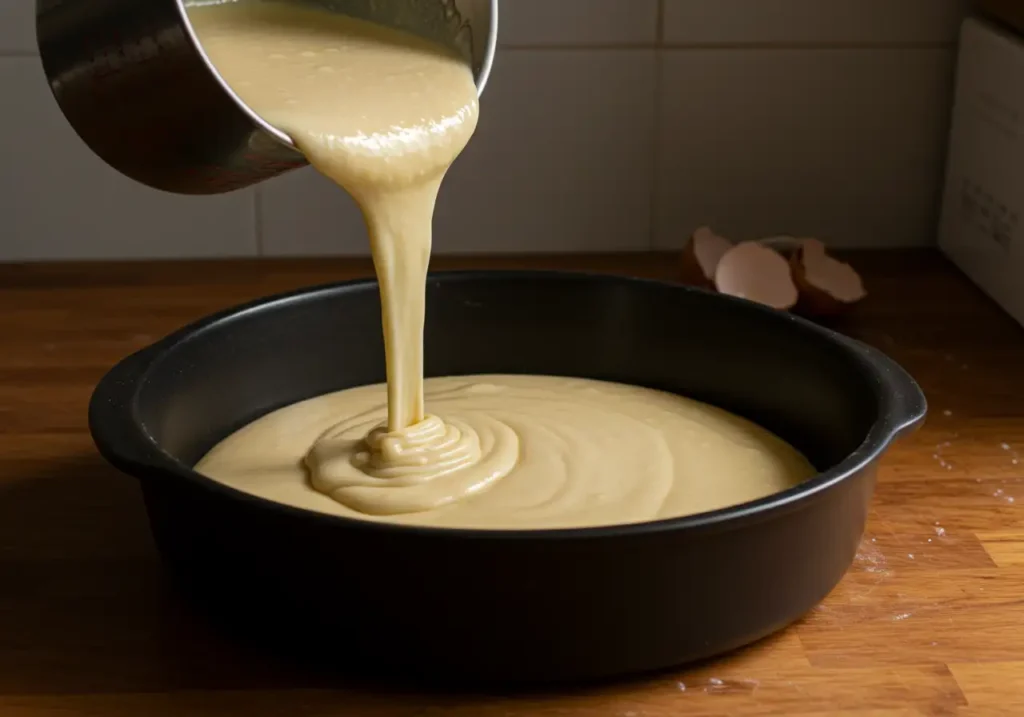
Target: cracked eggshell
753,271
827,286
701,256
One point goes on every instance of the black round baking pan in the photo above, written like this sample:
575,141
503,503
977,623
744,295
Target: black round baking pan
508,606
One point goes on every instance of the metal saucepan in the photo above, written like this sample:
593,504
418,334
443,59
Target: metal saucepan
134,82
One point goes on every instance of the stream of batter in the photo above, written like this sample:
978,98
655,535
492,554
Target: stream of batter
384,114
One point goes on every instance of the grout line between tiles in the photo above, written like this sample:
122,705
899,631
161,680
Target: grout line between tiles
659,27
659,87
819,46
792,45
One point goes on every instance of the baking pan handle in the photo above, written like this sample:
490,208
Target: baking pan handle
905,404
120,438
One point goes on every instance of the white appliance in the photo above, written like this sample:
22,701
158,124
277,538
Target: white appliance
981,228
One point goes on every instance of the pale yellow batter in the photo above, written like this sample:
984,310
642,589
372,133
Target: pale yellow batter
384,114
555,452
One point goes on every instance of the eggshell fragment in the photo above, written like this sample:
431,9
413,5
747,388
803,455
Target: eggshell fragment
827,286
701,256
751,270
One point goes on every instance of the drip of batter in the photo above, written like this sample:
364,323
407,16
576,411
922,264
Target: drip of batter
384,114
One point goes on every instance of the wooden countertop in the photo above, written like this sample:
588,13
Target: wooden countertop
929,621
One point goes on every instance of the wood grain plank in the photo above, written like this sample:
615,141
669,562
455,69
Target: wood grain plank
996,688
905,618
1005,548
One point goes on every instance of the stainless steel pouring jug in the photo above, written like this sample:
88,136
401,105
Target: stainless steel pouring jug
134,82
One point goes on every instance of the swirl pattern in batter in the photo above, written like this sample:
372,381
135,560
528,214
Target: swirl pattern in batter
550,452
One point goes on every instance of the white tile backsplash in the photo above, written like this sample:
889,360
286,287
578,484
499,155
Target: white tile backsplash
17,26
823,117
817,22
578,22
59,201
570,171
302,214
839,144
